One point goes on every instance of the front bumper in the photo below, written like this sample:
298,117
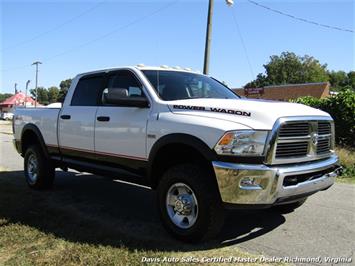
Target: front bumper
267,185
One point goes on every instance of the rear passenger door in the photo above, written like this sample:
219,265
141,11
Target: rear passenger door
120,131
77,120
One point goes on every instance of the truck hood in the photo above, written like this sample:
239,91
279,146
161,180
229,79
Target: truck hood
256,114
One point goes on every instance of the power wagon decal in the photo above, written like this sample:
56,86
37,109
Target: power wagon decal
211,109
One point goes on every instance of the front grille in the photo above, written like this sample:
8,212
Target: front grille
294,129
324,128
297,149
306,140
323,146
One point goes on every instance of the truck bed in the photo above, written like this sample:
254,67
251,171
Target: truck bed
46,119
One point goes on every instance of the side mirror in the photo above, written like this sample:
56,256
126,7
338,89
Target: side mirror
120,96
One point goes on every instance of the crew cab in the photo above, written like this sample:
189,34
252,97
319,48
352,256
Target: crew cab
187,135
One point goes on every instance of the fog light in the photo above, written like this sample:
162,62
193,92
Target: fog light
250,183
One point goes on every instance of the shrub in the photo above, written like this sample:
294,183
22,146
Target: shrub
347,160
342,108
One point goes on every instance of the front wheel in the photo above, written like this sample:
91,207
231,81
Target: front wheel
39,171
189,203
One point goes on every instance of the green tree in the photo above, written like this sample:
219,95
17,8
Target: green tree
42,95
351,80
64,86
53,93
289,68
338,79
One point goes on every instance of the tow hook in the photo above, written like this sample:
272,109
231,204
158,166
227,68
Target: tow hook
338,171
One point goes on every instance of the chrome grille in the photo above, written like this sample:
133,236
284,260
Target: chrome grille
323,146
324,128
294,129
298,140
297,149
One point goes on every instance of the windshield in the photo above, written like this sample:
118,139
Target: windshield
176,85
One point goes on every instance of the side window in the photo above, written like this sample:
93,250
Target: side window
87,91
124,80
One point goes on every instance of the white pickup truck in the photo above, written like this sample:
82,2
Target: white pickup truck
185,134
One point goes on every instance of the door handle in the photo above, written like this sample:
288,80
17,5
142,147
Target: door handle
65,117
103,118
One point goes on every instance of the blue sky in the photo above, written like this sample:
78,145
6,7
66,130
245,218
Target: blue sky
70,37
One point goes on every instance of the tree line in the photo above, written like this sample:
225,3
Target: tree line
289,68
46,96
52,94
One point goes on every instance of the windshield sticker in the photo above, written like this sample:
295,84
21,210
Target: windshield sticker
211,109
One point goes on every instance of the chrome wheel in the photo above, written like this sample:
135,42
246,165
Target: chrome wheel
182,205
32,168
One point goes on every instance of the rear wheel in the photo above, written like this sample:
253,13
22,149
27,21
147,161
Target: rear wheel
39,171
189,203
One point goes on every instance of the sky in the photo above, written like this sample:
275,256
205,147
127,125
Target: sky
71,37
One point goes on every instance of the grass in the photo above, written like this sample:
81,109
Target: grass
24,245
88,220
347,160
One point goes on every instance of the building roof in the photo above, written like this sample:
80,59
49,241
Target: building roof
18,99
300,85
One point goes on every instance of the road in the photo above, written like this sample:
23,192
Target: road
324,226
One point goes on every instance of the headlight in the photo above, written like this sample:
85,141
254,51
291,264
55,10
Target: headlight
242,143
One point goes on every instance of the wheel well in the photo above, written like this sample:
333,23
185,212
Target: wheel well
173,154
29,138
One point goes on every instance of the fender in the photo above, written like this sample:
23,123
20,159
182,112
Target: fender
34,129
180,138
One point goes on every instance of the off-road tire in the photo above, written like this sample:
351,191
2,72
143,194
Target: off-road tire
45,169
210,216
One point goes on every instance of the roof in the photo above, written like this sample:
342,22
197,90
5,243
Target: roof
300,85
142,67
18,99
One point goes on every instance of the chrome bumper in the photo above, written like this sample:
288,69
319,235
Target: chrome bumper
261,184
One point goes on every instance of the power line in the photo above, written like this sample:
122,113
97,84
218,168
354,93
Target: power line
133,22
55,28
243,43
15,68
299,18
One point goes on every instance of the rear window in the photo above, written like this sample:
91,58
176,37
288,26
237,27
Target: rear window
87,91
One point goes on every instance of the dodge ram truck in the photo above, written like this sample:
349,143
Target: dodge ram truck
187,135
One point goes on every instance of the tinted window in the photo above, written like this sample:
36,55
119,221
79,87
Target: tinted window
124,80
177,85
87,91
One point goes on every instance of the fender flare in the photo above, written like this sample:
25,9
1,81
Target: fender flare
180,138
34,129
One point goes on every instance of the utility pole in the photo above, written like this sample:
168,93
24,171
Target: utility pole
36,63
208,38
209,35
15,88
28,82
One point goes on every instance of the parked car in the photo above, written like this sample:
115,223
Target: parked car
7,116
201,146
